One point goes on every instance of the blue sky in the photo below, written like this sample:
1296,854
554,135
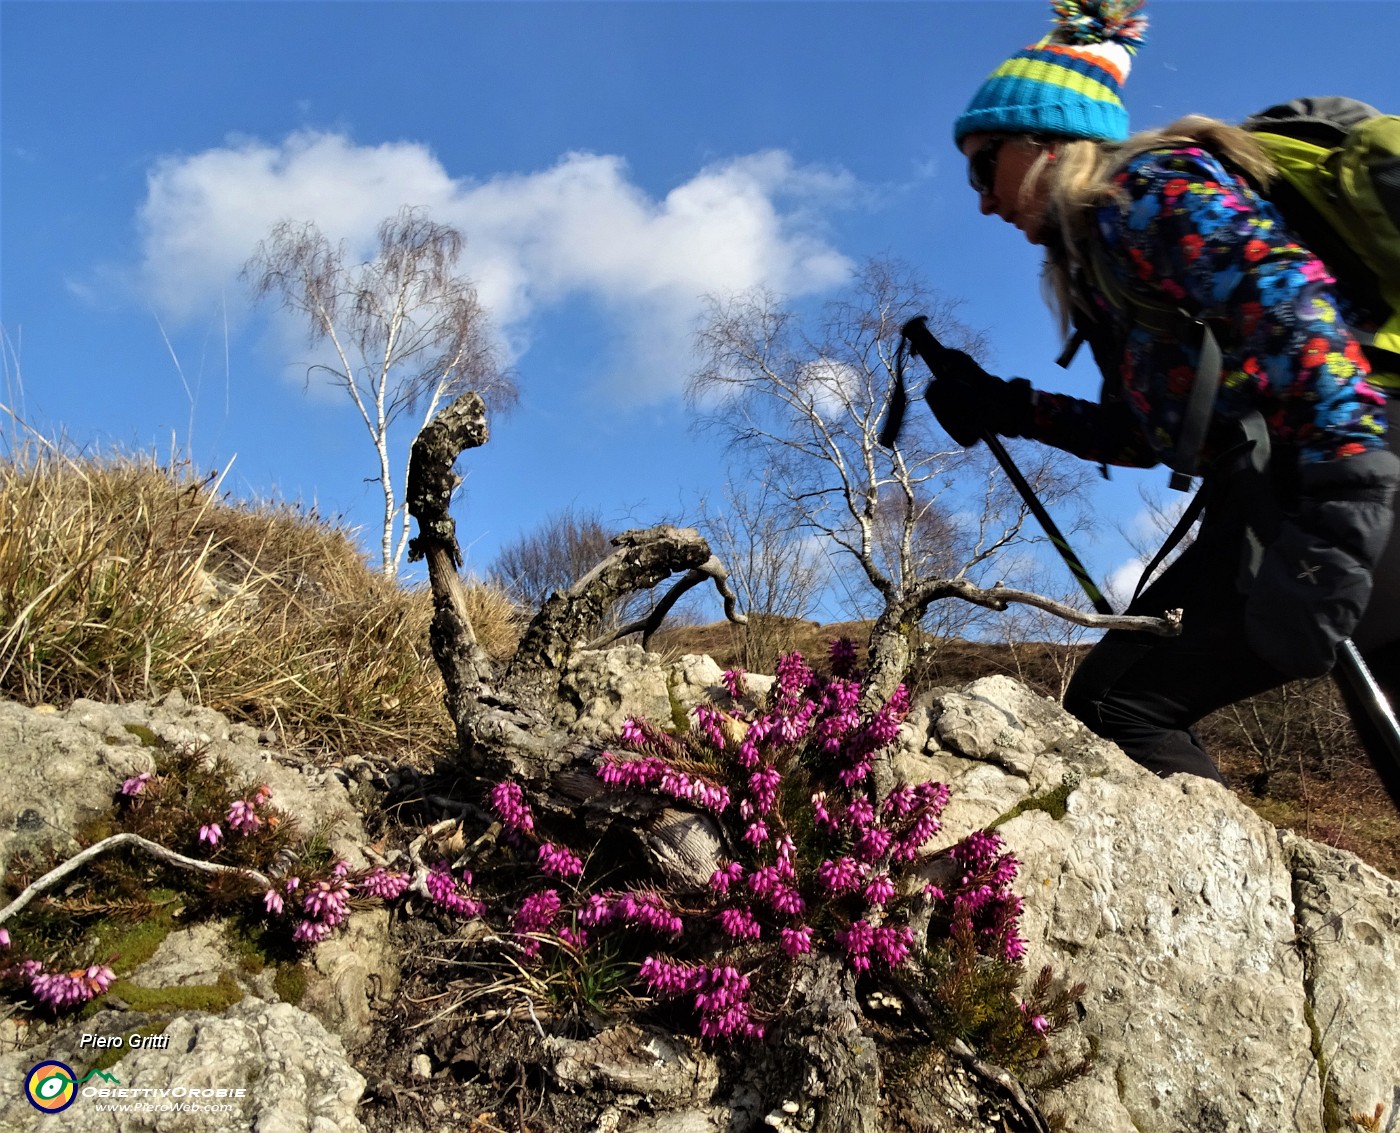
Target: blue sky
608,162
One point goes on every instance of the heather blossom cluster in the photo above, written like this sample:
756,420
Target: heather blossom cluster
765,899
983,902
318,905
58,991
816,853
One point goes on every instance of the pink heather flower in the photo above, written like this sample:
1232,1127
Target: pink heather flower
136,784
843,657
873,844
537,912
734,682
934,893
272,901
666,978
632,732
291,883
648,910
793,675
644,772
763,786
210,833
443,889
979,850
644,909
243,818
4,938
842,876
98,978
725,876
740,923
1038,1023
61,990
788,901
262,794
508,801
757,833
860,813
328,900
763,881
597,910
575,938
384,884
899,802
796,941
311,932
857,940
559,862
708,717
823,816
892,943
341,868
880,890
748,752
1014,948
923,828
850,777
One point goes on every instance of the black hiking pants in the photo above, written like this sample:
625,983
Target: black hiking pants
1144,692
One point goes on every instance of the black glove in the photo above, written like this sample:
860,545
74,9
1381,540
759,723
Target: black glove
968,401
1315,578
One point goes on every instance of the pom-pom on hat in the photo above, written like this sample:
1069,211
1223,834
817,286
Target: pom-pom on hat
1070,83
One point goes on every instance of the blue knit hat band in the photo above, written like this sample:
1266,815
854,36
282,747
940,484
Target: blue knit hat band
1070,83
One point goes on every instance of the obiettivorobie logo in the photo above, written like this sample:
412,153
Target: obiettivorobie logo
52,1086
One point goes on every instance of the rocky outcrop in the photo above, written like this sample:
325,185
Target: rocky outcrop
64,767
1239,978
264,1066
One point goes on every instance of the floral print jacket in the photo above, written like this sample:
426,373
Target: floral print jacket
1191,234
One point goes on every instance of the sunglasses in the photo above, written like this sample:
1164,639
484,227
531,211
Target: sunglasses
982,165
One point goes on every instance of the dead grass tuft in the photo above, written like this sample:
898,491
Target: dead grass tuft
123,579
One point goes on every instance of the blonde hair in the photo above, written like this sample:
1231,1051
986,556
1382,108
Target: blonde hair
1080,179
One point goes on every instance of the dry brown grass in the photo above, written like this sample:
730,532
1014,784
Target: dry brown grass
123,579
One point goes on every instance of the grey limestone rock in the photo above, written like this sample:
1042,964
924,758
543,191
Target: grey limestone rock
294,1075
1240,979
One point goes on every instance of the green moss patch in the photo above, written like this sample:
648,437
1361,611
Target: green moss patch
211,998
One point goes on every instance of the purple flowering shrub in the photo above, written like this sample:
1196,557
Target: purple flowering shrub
199,811
818,860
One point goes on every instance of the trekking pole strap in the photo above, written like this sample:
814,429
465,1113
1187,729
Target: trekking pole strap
1199,406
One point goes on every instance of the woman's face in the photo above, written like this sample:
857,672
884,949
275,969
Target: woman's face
997,168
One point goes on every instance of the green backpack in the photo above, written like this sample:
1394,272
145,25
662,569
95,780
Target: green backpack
1340,192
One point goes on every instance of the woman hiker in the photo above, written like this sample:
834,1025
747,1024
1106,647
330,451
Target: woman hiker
1297,464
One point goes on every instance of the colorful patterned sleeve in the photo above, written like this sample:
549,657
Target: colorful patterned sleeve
1188,234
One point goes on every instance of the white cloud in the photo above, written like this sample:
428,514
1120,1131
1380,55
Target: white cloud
832,385
579,228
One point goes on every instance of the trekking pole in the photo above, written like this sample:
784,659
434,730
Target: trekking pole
921,339
1351,667
1353,670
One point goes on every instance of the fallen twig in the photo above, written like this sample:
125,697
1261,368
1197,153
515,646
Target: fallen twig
116,841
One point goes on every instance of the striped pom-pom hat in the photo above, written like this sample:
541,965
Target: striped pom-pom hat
1070,83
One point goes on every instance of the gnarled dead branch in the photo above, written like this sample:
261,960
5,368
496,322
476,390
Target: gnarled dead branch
643,558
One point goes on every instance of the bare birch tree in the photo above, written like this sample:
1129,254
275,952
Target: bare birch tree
406,332
921,521
775,568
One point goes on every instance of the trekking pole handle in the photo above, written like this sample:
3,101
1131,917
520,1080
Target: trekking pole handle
927,347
